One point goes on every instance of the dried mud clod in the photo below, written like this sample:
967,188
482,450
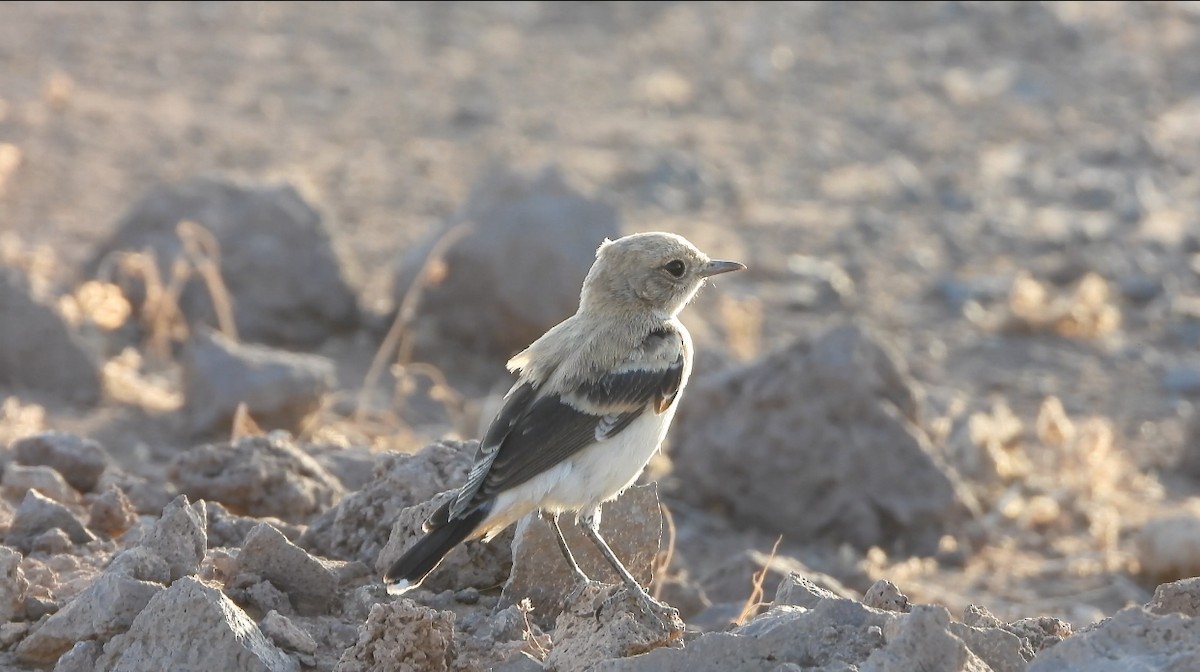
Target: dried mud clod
79,460
12,585
310,583
287,278
632,525
402,637
473,564
1168,546
292,610
359,526
886,596
259,476
838,409
1133,638
106,608
37,515
1180,597
279,389
163,636
602,622
112,513
515,223
19,480
39,352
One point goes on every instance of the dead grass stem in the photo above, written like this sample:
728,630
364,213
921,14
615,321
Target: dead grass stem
398,342
662,561
755,600
204,252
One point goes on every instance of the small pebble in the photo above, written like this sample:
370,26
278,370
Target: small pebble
469,595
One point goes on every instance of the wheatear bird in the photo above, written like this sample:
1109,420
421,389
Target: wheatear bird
593,402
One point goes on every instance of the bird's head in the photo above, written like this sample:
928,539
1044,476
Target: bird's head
660,272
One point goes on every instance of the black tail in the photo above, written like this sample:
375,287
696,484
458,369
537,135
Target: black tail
425,555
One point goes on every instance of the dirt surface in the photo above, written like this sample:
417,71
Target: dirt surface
1006,195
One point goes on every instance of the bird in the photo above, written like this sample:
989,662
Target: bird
592,403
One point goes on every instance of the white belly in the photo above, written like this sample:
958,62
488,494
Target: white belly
592,476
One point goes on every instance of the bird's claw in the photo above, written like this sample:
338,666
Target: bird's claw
665,614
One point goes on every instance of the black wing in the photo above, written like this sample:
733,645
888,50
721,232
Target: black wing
532,434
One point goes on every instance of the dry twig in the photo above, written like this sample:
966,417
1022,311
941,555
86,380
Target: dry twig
662,561
204,253
755,600
397,342
243,424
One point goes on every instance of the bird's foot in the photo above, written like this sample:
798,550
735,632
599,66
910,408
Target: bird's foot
581,579
582,584
666,615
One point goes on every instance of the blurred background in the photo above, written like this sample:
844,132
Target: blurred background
964,355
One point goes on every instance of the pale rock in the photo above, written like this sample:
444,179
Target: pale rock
359,526
80,658
142,563
12,585
19,479
830,636
402,636
179,537
632,526
601,622
1168,547
1180,597
193,626
102,610
280,389
474,563
51,542
38,514
922,641
886,596
111,513
230,530
1132,639
79,460
286,634
310,583
39,352
258,476
288,276
841,409
527,244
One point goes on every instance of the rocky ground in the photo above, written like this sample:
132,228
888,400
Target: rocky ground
261,265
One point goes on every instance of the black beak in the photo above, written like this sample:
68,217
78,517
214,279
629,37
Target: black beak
718,267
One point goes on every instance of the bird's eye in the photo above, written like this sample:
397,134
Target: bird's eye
675,268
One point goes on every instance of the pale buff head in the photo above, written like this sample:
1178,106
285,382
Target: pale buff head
648,272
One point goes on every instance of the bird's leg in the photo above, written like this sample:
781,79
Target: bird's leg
566,550
590,523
